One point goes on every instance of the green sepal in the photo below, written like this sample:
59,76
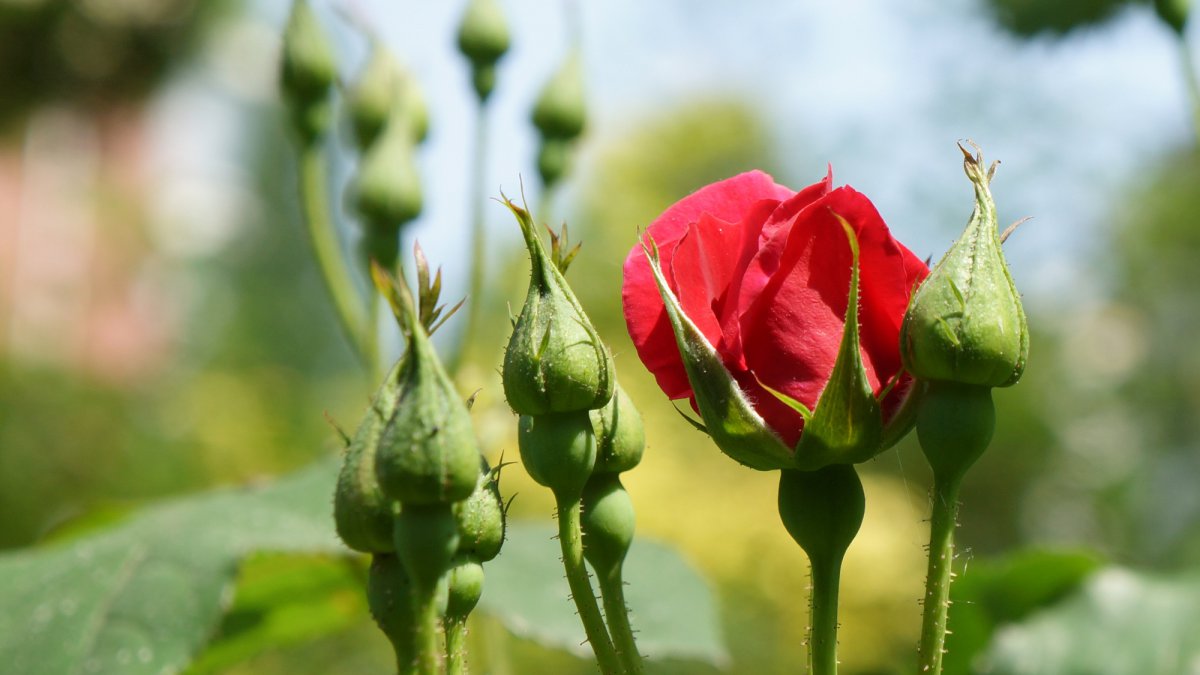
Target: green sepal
965,323
555,360
361,512
846,426
729,418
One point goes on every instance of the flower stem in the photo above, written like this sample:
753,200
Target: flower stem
478,238
937,582
328,252
612,591
1192,81
822,646
456,647
427,659
570,538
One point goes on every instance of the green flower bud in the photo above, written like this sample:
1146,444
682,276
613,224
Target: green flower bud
558,450
466,586
308,64
387,190
388,597
607,522
308,72
559,111
426,541
555,361
427,453
822,509
380,89
553,160
965,323
1174,13
362,513
481,519
620,438
483,33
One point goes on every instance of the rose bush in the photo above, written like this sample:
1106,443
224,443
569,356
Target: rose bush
764,274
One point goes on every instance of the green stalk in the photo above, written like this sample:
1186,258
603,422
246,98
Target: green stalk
612,591
570,538
328,252
1192,82
456,647
822,644
937,582
427,660
478,238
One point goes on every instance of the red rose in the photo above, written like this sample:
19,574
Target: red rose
764,274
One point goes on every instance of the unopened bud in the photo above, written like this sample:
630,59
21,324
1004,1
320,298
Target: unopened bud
387,190
607,522
620,437
559,111
308,71
483,38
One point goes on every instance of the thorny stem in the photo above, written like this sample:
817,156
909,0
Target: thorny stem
612,591
937,582
570,538
328,252
822,646
456,647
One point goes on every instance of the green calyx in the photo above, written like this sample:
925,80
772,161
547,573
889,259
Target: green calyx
387,191
483,32
381,91
554,361
729,417
558,450
361,512
954,425
560,112
481,518
427,452
965,323
607,522
620,437
822,510
466,587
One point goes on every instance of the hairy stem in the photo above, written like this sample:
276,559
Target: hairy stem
612,591
570,538
937,582
328,252
456,647
427,659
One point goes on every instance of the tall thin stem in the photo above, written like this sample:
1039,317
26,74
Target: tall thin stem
612,591
822,645
937,582
1192,82
327,249
570,539
478,237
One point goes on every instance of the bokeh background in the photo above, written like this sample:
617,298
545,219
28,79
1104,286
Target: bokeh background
163,327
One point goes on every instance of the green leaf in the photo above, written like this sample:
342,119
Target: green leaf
1120,621
144,597
990,593
672,610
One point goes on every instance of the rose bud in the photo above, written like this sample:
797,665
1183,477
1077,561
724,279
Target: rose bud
382,86
559,111
308,71
483,38
387,191
427,452
620,438
481,518
362,513
966,323
777,315
555,361
1174,13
